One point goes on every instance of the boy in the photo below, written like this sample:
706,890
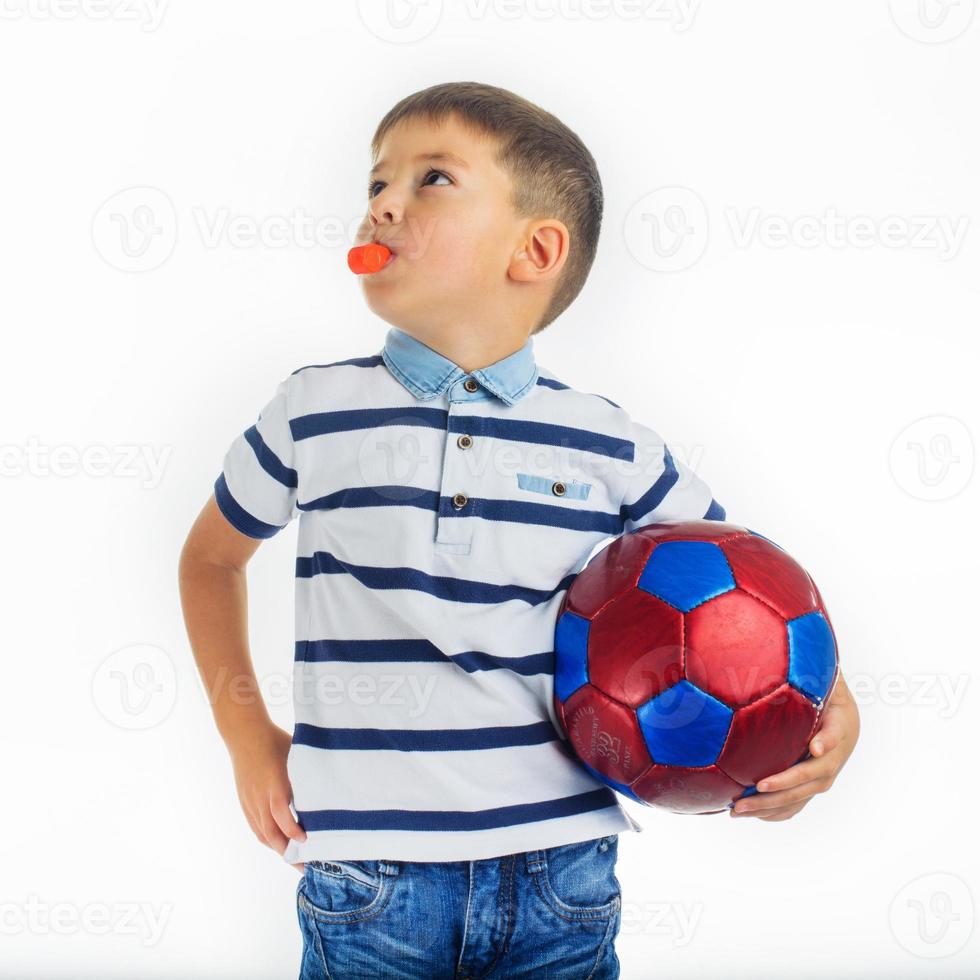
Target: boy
449,489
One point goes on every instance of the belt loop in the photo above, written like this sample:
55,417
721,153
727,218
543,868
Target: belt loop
389,867
536,861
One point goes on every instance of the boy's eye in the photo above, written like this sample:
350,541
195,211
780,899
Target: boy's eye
429,173
435,173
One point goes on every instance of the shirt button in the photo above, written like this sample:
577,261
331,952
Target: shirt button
470,385
459,500
464,442
558,488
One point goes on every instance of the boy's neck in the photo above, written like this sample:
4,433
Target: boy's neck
468,349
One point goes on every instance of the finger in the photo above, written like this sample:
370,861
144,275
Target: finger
300,867
770,801
833,725
285,820
827,737
803,772
783,813
274,837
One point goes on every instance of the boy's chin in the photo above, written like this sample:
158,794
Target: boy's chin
389,307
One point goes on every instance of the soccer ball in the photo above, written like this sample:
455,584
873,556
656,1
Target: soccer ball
692,659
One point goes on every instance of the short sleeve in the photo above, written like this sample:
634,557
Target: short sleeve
256,489
661,487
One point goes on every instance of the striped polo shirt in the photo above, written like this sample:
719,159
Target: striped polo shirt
442,515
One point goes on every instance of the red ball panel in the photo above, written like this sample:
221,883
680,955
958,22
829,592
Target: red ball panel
559,711
609,574
690,531
816,592
605,734
735,648
687,790
636,647
768,736
768,573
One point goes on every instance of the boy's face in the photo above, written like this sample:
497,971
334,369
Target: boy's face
449,222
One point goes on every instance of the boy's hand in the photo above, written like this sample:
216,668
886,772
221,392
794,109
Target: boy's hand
259,760
785,793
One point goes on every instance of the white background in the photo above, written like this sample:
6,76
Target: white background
823,385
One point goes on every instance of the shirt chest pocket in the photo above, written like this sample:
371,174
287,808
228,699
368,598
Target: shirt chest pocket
557,486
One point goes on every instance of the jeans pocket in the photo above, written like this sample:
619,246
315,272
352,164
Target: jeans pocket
578,881
345,891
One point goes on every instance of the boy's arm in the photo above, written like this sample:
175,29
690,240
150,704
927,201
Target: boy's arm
662,487
255,496
784,794
213,595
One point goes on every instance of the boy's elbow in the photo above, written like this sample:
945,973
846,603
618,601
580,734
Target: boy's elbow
213,541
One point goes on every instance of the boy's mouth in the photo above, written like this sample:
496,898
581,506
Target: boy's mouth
370,257
391,258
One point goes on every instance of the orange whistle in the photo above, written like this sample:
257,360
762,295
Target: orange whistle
367,258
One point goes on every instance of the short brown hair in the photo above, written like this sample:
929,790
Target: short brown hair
552,172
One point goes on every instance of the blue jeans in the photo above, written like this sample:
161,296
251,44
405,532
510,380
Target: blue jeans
551,914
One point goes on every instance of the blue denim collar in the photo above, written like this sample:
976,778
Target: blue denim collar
426,373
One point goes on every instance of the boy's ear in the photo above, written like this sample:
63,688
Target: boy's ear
542,254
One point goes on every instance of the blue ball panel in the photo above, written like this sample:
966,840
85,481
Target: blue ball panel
683,726
686,573
812,655
571,654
